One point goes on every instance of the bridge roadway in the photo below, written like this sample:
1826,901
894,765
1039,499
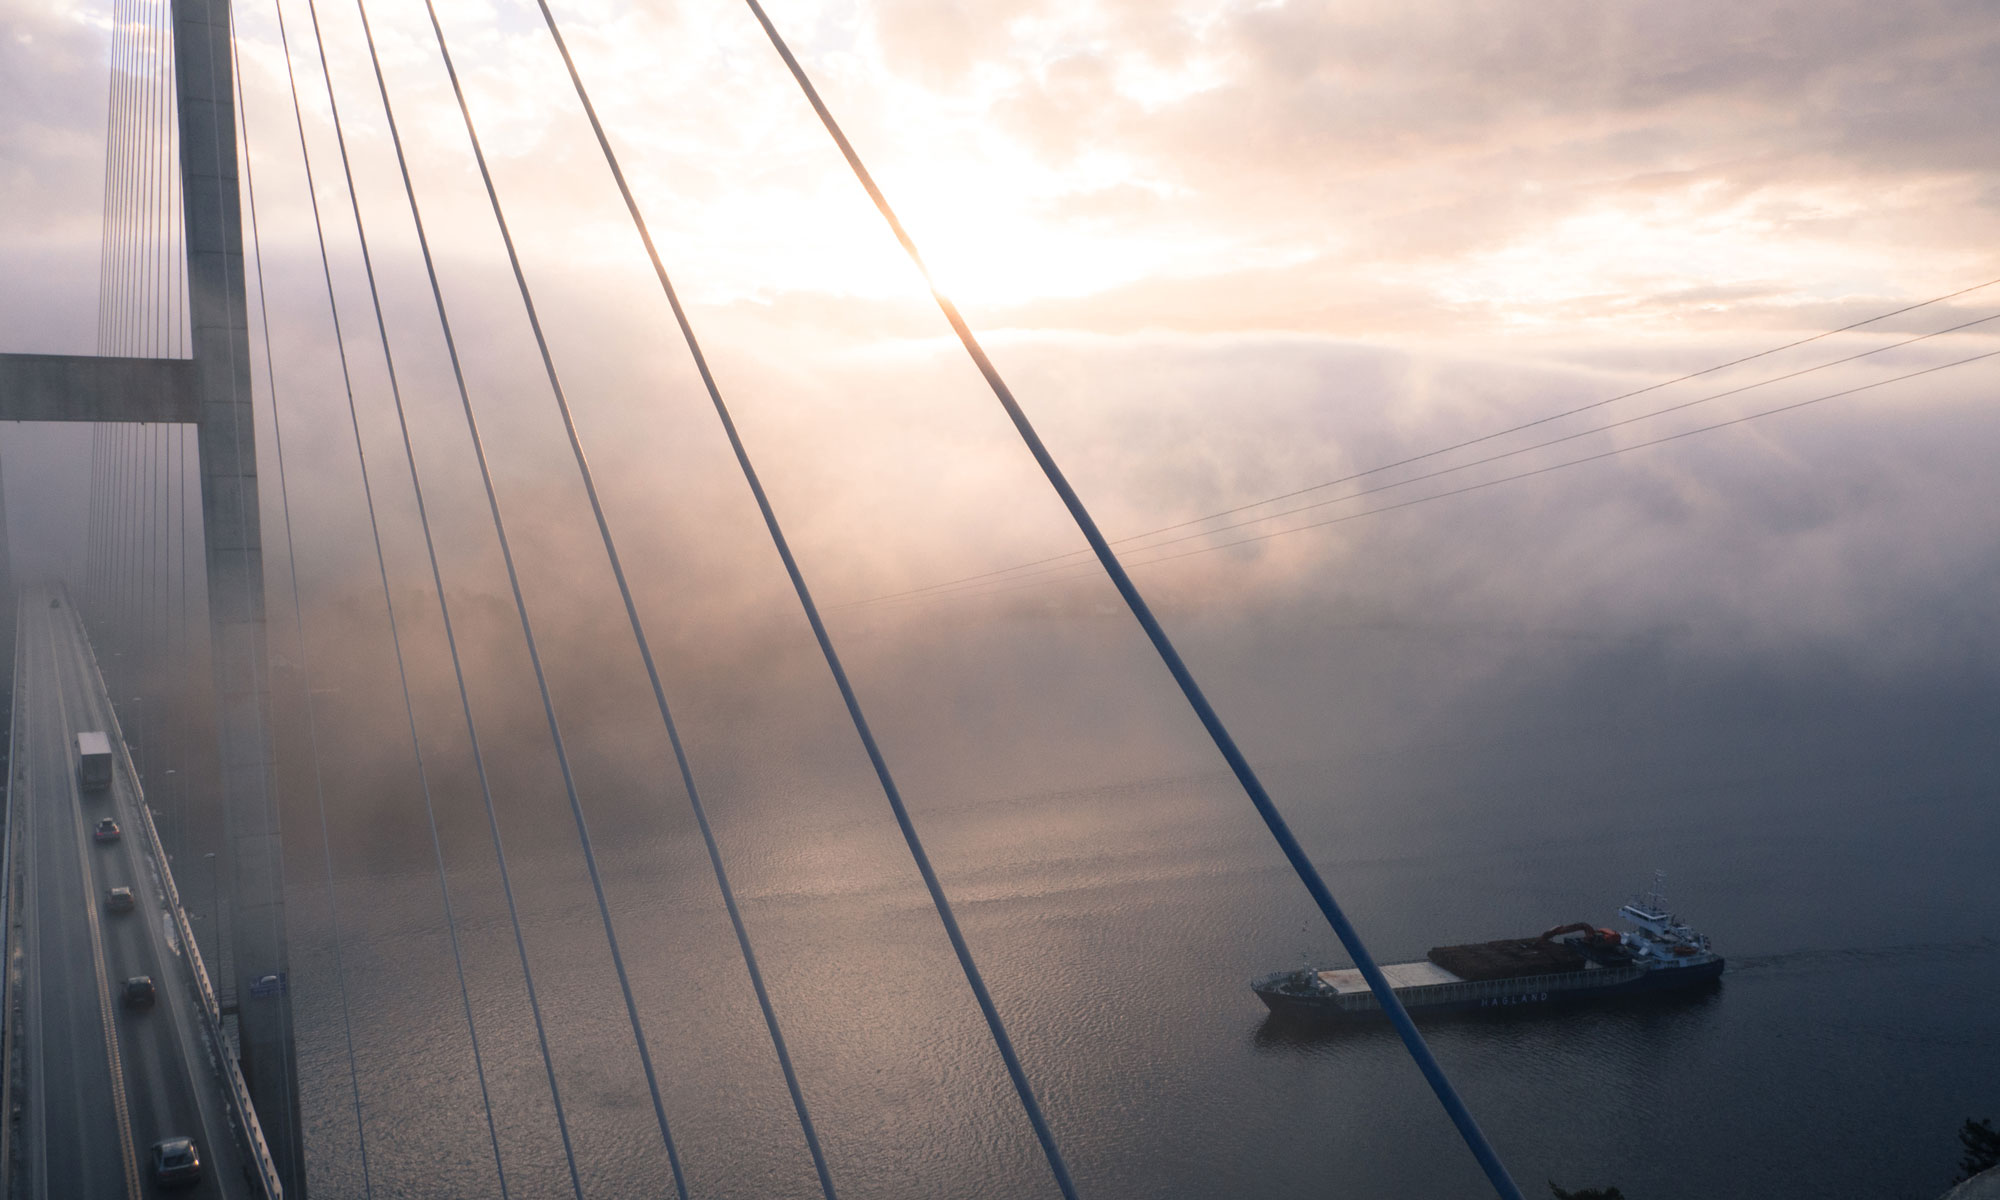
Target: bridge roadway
101,1082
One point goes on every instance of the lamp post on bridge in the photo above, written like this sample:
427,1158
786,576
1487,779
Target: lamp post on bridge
215,905
139,720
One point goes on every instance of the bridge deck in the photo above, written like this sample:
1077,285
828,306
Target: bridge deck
100,1082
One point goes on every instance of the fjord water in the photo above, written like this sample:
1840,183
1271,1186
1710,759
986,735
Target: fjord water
1842,859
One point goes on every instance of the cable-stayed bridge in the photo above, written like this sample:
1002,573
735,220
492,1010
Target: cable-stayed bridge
173,394
191,157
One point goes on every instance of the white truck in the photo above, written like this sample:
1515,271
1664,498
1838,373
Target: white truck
93,761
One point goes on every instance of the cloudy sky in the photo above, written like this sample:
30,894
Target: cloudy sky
1224,251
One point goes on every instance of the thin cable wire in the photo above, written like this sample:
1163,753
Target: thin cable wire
168,168
1030,1105
1130,555
121,330
157,326
104,204
1084,554
1350,939
114,210
1614,451
129,186
148,162
375,531
106,259
1484,484
521,610
299,623
451,640
639,635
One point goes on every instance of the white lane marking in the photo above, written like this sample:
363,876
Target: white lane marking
104,1008
196,1045
38,1136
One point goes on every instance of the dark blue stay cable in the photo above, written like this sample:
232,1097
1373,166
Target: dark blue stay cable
584,841
1001,1041
1433,1073
645,647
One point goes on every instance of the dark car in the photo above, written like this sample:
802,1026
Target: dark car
119,900
106,830
139,992
176,1162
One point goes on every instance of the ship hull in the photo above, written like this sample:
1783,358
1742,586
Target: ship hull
1533,994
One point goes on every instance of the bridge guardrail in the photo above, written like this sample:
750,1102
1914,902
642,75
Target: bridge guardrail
234,1089
7,1024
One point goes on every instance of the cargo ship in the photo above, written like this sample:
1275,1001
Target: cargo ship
1568,964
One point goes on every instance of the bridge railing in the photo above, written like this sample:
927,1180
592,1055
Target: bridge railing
241,1110
8,1032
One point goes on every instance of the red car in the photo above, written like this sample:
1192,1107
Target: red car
106,830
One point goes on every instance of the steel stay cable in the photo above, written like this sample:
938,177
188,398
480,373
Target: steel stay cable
145,217
1482,485
644,644
155,288
121,332
141,177
1350,939
163,58
115,208
104,202
1066,556
1603,454
1031,1106
444,608
375,531
129,208
298,614
106,231
521,609
1131,554
120,118
143,169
